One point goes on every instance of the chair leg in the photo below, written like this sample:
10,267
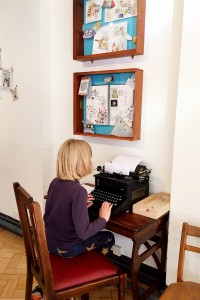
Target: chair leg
122,287
29,285
85,296
121,295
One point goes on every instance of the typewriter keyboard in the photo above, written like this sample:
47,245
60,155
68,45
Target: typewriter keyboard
102,196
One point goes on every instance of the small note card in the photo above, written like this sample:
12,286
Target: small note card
85,86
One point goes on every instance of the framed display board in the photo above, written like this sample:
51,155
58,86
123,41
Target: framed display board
108,29
108,104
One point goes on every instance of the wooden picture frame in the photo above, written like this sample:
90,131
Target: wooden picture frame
120,77
79,43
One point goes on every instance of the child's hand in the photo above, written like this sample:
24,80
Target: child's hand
90,200
105,210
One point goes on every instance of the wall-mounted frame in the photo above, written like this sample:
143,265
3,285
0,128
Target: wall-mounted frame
108,32
112,109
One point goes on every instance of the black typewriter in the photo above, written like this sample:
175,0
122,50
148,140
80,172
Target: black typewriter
121,190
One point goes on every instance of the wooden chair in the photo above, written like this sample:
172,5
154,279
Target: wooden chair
184,290
61,278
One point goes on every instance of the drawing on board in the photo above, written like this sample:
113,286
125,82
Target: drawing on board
110,38
93,11
122,9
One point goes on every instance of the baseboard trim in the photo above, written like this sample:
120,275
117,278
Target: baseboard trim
10,224
147,274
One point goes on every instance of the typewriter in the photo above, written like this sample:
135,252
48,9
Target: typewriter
121,190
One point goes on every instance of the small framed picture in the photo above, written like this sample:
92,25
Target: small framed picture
6,80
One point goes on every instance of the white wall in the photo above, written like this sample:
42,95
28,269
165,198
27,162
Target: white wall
36,125
185,202
20,121
47,81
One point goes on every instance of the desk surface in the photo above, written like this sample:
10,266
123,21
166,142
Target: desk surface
131,224
132,221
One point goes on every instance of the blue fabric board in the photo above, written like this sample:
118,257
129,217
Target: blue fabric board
98,79
131,28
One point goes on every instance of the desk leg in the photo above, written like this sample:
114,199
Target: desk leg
163,259
135,265
159,243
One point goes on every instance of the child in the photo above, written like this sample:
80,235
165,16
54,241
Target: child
69,231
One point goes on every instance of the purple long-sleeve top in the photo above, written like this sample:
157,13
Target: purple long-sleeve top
66,215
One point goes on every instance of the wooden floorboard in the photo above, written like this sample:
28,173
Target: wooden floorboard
12,266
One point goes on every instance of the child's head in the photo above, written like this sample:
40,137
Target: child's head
74,160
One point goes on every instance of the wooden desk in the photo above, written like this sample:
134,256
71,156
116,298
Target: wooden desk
142,230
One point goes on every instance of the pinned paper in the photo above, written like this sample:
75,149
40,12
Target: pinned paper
85,86
15,94
89,33
97,26
108,4
131,38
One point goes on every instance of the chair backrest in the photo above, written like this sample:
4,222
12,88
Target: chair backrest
34,237
187,230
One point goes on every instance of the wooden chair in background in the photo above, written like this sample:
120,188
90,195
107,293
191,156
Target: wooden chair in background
61,278
184,290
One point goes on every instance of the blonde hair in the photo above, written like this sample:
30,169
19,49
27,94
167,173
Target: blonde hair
74,160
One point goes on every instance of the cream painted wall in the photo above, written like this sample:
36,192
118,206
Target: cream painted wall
21,121
185,202
36,38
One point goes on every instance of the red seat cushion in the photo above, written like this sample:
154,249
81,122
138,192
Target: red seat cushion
90,266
